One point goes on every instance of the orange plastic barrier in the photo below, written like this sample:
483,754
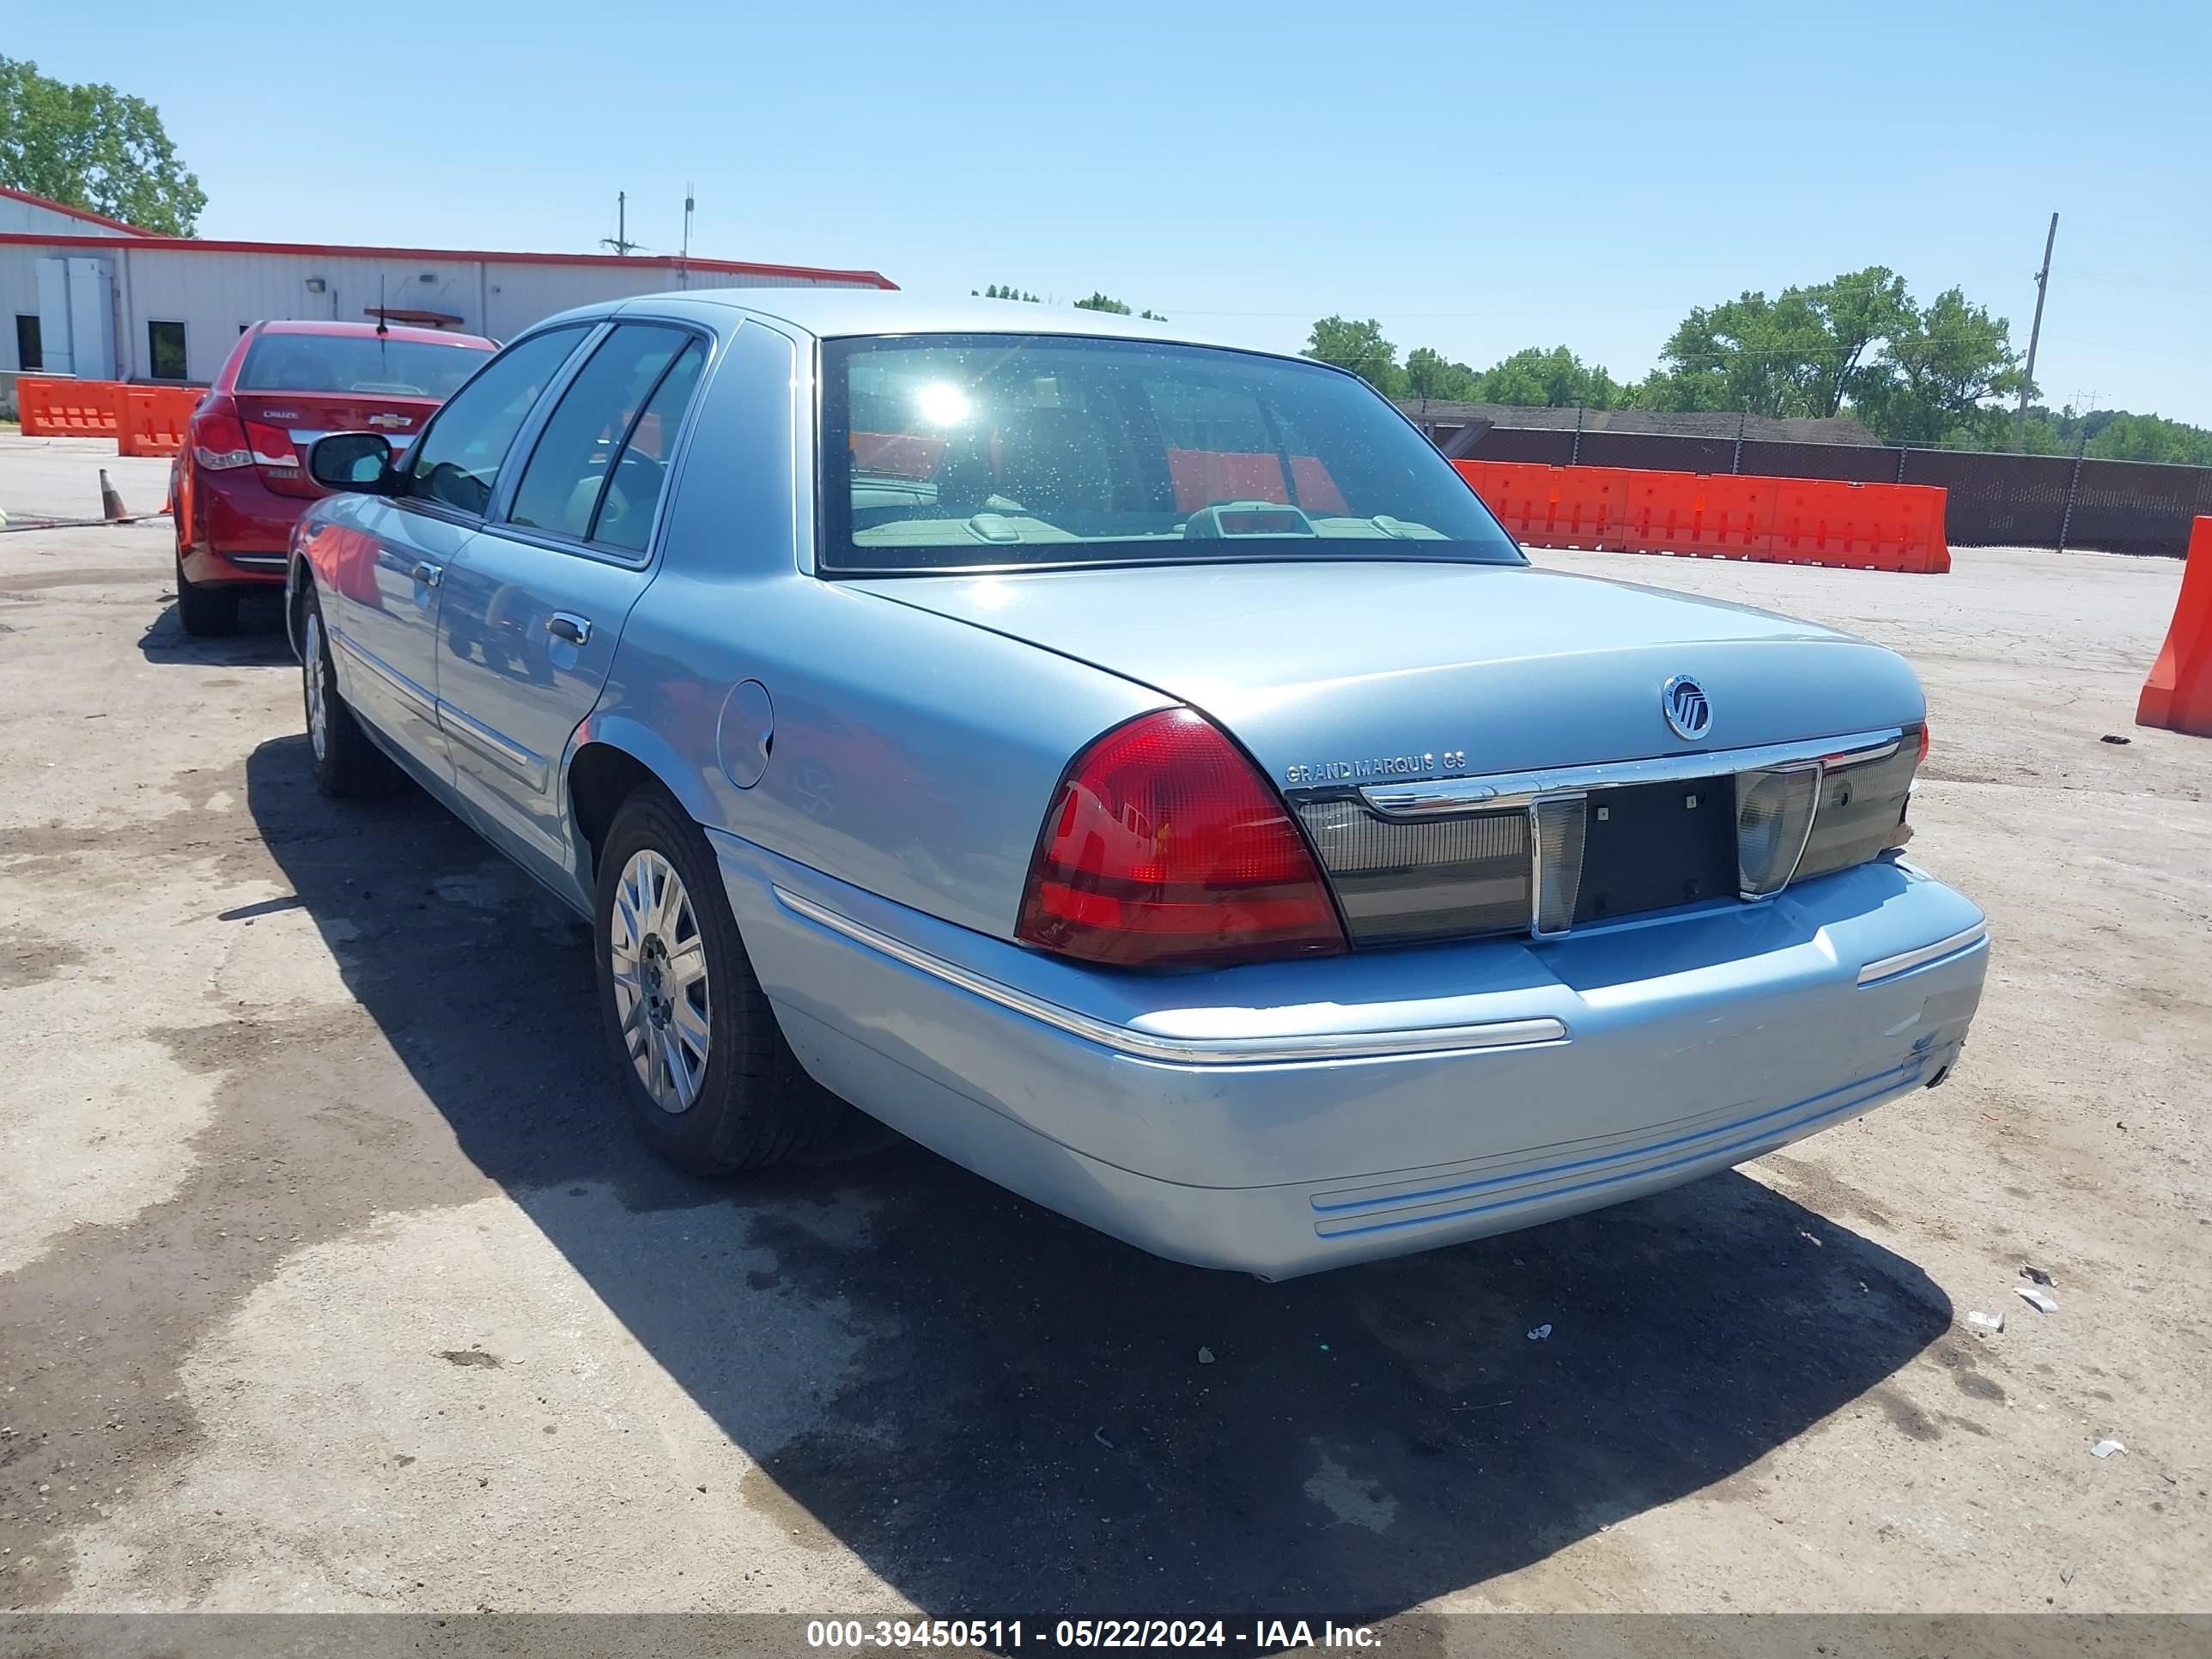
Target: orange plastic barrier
1717,515
1202,476
67,409
1862,526
2179,693
153,420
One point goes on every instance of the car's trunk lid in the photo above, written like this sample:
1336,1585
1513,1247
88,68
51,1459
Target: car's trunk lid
1362,671
304,416
1353,684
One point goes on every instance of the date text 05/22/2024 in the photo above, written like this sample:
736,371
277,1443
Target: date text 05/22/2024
1001,1635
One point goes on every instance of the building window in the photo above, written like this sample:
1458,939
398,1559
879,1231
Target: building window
165,351
30,355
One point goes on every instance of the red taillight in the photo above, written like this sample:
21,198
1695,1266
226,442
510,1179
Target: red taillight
1923,759
271,446
283,469
1165,848
218,437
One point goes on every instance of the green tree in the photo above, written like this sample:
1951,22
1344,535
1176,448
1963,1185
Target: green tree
1118,307
1006,291
2115,435
1855,341
1855,311
1934,379
1748,353
94,147
1360,347
2128,437
1429,373
1801,353
1557,378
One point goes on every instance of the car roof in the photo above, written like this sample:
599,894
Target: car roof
835,313
425,336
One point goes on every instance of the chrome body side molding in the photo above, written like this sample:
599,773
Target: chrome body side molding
1905,961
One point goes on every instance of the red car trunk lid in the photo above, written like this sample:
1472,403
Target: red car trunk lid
304,417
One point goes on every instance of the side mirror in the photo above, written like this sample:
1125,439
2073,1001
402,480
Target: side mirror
358,461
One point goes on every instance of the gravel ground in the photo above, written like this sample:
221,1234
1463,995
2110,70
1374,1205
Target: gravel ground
330,1278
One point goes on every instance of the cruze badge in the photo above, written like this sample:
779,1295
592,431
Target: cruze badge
1684,703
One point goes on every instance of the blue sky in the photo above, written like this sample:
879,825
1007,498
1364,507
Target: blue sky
1481,178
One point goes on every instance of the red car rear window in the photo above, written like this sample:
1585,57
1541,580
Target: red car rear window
357,364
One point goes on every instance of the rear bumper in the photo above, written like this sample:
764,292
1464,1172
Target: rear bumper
1289,1118
239,528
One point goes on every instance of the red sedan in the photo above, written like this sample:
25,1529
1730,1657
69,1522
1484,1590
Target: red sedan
242,478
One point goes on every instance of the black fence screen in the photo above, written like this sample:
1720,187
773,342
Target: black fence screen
2004,501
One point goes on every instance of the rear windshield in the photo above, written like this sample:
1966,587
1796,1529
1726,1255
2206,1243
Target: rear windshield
956,452
357,363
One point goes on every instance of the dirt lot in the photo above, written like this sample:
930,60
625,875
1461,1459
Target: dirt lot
330,1278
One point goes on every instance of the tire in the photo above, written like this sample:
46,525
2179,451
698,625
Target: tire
751,1104
346,763
207,613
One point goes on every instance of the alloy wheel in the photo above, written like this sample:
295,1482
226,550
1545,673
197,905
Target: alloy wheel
661,995
319,695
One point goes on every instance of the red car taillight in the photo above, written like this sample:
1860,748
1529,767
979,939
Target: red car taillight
283,469
217,437
223,440
271,446
1165,848
1922,760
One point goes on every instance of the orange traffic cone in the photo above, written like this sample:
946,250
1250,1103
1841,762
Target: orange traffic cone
2177,694
111,504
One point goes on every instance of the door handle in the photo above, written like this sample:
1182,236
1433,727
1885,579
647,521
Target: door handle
567,625
427,573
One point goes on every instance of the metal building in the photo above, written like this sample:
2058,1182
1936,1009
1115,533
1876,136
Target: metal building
93,297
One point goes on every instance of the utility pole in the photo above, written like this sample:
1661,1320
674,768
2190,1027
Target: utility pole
683,256
2034,335
620,241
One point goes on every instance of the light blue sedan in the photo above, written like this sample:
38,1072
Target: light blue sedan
1140,770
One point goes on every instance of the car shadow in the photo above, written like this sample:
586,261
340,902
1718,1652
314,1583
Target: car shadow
260,642
1016,1414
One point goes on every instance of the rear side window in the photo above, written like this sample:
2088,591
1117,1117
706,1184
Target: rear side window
358,363
458,458
641,475
596,471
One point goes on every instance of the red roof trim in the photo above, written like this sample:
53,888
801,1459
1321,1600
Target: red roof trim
488,256
85,214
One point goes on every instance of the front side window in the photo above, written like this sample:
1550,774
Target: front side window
596,473
945,452
355,362
457,459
